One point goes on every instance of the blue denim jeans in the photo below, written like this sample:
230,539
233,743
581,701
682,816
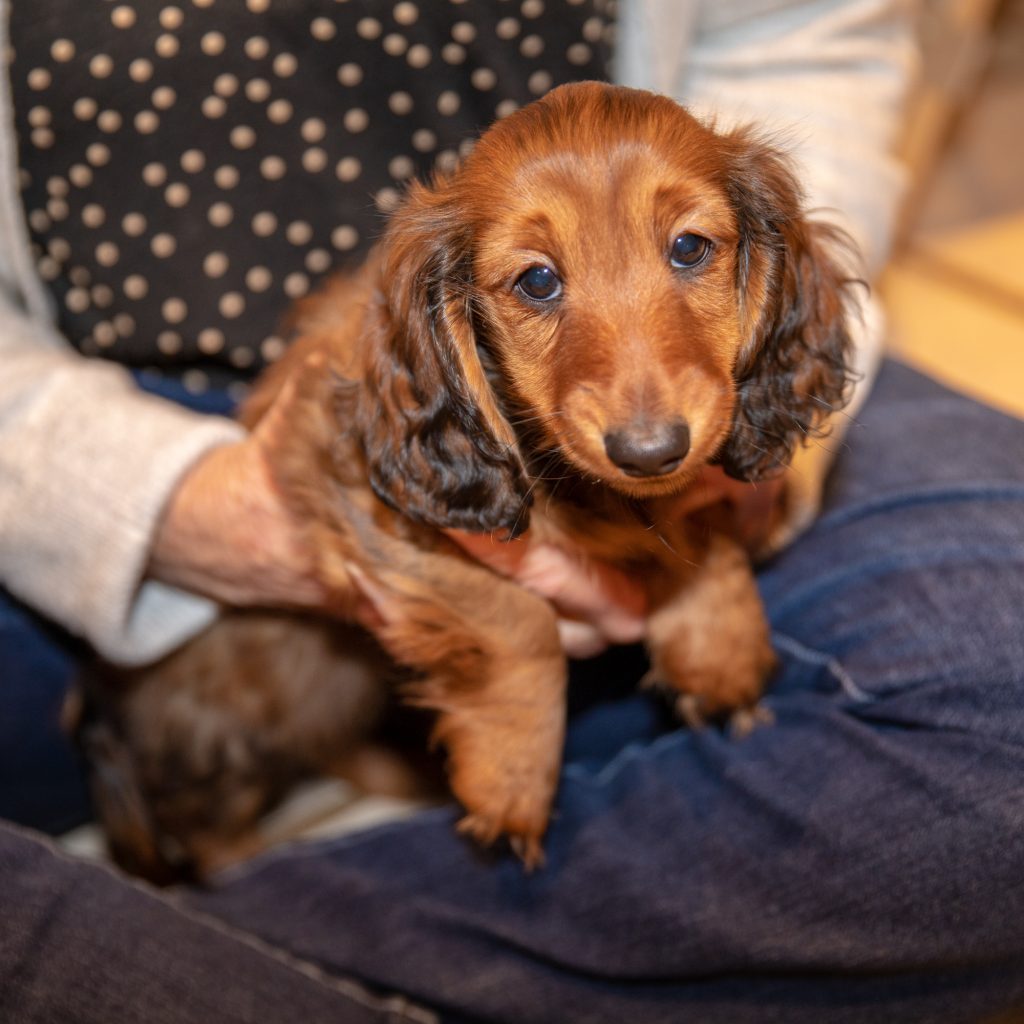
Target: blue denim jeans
861,860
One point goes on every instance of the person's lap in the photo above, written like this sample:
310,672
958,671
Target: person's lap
857,860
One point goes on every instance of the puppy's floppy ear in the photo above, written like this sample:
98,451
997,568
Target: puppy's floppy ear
437,446
795,367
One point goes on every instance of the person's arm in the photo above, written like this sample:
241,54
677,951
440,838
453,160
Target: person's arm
827,80
87,465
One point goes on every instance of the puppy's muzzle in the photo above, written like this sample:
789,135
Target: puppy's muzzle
644,449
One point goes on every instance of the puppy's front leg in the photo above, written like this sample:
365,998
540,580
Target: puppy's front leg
709,638
494,671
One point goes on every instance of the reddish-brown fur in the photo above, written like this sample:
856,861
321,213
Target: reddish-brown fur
432,394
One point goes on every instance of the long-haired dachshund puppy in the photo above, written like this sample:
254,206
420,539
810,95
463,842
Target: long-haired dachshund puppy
605,298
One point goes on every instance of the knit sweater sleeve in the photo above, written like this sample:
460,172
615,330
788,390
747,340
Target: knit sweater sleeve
87,464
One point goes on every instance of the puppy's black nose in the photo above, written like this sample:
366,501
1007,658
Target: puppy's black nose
648,449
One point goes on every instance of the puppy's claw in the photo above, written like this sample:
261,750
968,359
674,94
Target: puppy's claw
528,850
690,709
744,721
485,831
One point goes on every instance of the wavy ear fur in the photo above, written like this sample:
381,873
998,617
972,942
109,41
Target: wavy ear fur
437,447
795,369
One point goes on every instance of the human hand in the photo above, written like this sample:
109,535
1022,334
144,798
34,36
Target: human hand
227,534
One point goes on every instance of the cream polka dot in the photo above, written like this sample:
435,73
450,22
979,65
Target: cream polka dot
42,138
147,122
273,168
463,32
350,74
257,6
225,85
102,296
285,65
395,45
298,232
272,348
231,305
97,154
258,279
507,28
62,50
256,47
164,97
401,167
483,79
593,29
226,176
452,53
424,140
195,381
400,103
531,46
133,224
169,342
212,44
539,82
39,117
348,169
167,46
356,119
59,249
296,285
314,160
192,161
447,160
39,220
279,111
154,174
578,53
84,108
313,130
136,286
39,79
210,341
503,109
418,56
323,29
79,276
57,209
405,13
387,199
57,186
220,215
125,325
122,17
257,90
171,18
108,121
532,8
49,269
93,215
214,106
318,261
77,300
368,28
105,333
140,70
100,66
448,102
107,254
80,176
242,137
203,3
264,224
174,310
215,264
242,357
177,194
163,245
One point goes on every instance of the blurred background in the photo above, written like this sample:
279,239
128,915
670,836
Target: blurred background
955,289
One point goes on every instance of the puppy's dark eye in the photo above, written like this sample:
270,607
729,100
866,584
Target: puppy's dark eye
540,283
688,250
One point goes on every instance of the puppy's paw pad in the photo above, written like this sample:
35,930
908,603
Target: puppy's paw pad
744,721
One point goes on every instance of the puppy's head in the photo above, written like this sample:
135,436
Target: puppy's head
605,279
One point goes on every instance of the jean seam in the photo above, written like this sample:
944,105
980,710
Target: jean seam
395,1007
822,659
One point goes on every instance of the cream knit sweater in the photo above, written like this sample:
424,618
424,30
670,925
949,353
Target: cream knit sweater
87,463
